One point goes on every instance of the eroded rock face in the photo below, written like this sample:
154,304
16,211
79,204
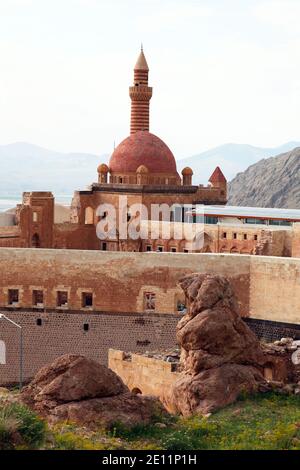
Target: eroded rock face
74,388
221,356
212,332
213,388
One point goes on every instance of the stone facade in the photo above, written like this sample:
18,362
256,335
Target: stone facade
118,281
266,287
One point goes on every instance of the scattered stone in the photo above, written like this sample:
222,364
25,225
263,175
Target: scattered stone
296,357
160,425
288,388
286,340
292,348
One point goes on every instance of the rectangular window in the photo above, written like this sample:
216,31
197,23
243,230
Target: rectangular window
148,248
235,236
211,219
224,235
13,296
160,248
255,237
185,251
245,236
104,246
149,301
280,222
38,298
173,249
255,221
62,298
87,299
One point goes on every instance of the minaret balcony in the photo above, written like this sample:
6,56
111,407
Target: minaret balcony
140,92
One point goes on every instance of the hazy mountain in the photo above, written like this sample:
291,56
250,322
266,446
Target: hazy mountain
272,182
26,167
232,159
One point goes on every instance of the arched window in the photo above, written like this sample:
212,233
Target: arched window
89,216
35,241
2,353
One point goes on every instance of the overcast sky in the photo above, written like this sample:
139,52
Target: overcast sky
222,71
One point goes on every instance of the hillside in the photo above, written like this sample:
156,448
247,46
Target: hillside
272,182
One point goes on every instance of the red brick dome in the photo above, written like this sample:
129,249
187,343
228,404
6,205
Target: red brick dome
142,148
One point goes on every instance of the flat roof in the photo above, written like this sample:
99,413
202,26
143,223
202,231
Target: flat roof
253,212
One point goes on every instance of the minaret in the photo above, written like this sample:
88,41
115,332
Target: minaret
140,94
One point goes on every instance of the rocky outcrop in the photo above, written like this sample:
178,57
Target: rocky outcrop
221,357
74,388
272,182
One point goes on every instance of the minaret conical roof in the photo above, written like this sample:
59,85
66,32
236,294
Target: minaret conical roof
141,63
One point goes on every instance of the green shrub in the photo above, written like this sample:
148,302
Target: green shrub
19,426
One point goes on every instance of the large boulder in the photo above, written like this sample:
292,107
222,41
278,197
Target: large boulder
72,378
221,357
126,408
74,388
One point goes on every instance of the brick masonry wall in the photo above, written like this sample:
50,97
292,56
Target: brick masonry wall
62,333
272,330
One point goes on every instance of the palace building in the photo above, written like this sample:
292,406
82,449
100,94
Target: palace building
142,170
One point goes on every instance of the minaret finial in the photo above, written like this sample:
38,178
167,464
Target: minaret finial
142,47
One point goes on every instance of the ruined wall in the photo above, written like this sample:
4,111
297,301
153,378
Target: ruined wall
150,376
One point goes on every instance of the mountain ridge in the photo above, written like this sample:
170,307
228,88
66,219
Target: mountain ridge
26,166
271,182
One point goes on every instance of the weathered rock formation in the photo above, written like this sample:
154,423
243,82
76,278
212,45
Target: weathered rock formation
271,182
221,356
74,388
